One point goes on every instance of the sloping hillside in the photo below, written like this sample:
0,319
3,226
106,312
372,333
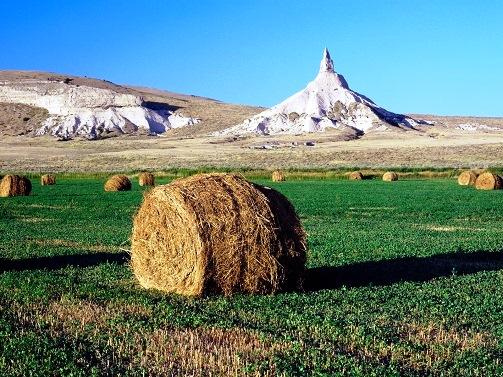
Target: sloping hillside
22,116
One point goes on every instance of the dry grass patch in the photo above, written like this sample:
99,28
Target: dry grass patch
431,335
417,348
278,176
34,219
372,208
47,206
448,228
77,315
165,351
207,351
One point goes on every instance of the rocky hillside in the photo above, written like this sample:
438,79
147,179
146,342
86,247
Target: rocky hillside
76,108
36,103
358,119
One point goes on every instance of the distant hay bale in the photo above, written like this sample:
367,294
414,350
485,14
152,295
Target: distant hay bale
278,176
489,181
356,176
48,180
467,178
217,233
146,179
390,176
118,183
15,185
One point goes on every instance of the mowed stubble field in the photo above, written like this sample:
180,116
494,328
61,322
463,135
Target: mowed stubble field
404,278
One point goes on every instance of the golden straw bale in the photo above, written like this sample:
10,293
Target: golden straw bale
467,178
48,179
15,185
489,181
217,233
356,176
278,176
390,176
118,183
146,179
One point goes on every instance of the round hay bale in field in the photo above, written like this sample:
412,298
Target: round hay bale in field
217,233
390,176
118,183
278,176
146,179
48,180
489,181
15,185
356,176
467,178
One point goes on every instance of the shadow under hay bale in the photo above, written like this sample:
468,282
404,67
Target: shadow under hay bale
15,185
118,183
146,179
48,180
489,181
356,176
217,233
278,176
467,178
390,176
392,271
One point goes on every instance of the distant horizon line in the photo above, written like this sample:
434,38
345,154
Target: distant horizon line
131,85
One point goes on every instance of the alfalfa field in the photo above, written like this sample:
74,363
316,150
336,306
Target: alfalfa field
404,278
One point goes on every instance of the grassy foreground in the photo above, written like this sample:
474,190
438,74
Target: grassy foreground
405,278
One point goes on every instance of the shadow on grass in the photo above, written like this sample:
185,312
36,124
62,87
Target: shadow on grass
387,272
62,261
380,273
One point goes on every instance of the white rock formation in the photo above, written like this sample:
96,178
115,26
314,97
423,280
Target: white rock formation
474,127
327,102
79,110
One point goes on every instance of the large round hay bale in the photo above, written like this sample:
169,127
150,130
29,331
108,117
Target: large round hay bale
217,233
15,185
48,180
390,176
467,178
118,183
489,181
146,179
356,176
278,176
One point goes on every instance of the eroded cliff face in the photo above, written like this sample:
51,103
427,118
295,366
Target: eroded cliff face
326,103
80,110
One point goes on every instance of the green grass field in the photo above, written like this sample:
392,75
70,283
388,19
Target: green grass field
405,278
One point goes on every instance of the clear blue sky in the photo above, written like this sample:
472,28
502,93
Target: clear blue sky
442,57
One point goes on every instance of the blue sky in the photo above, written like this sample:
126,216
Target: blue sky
441,57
